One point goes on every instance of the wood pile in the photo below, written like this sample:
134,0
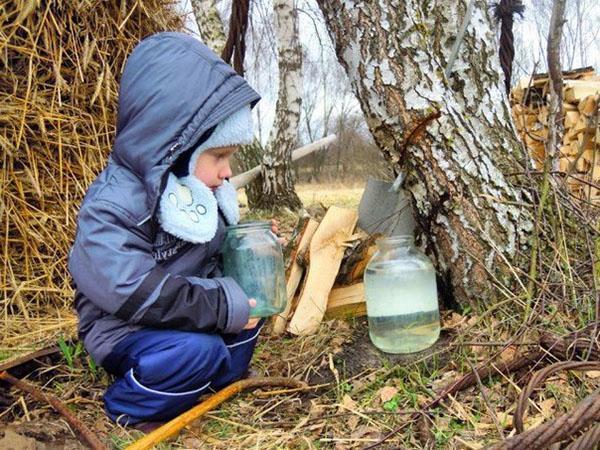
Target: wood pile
324,277
579,160
61,63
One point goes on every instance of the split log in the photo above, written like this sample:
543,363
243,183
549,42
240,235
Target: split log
589,105
295,273
326,251
356,259
571,118
576,90
347,301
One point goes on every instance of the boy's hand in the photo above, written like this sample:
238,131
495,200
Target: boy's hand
275,230
252,321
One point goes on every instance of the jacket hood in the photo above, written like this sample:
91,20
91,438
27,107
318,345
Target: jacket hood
173,91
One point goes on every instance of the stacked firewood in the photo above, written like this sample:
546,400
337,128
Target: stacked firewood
324,276
578,159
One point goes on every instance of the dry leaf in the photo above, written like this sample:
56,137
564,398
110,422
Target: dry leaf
547,407
365,431
387,393
348,403
440,383
593,373
509,353
472,320
353,422
316,409
454,320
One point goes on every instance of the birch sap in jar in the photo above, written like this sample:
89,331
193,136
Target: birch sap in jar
253,257
401,294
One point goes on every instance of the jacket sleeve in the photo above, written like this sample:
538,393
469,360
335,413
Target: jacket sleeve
111,263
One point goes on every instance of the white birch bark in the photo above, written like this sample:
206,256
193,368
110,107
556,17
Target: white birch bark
395,53
278,186
209,24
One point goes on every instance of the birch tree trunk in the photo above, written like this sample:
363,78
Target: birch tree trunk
454,137
209,24
278,184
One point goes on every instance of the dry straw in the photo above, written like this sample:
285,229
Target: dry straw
61,62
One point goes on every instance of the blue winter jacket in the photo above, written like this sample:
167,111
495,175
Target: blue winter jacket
128,273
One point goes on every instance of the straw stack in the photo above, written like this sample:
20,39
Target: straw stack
579,159
61,62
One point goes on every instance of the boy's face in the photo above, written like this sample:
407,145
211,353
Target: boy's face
213,166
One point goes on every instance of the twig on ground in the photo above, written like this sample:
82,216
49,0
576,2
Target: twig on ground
172,427
87,436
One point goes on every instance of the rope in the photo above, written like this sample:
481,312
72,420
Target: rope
236,40
504,12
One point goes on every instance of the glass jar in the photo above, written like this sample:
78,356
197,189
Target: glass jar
252,256
401,295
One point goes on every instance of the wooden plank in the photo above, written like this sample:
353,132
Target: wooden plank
347,301
326,251
294,276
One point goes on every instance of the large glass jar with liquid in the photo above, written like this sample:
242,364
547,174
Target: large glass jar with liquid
401,294
252,256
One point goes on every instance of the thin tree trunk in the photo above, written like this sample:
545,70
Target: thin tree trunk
555,111
278,185
209,24
454,137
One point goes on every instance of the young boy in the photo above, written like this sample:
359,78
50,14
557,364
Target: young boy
153,307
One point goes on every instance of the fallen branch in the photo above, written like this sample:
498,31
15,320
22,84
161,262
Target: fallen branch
86,434
539,378
585,413
11,364
173,427
587,441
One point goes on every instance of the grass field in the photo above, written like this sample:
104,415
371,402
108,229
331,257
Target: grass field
329,194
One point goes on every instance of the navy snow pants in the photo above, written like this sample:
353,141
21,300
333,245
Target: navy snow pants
161,373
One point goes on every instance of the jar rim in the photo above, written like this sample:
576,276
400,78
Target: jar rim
250,226
396,239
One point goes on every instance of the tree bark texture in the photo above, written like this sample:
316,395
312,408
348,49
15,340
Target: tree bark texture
453,136
210,24
278,184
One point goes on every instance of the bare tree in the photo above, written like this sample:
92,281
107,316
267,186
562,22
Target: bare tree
209,24
580,36
453,136
278,184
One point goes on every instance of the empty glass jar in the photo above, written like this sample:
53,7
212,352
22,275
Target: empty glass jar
401,295
252,256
